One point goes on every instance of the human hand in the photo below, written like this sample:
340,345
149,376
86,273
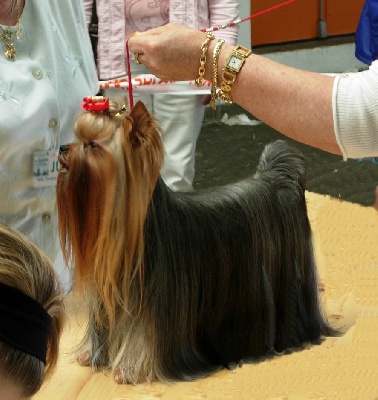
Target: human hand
170,52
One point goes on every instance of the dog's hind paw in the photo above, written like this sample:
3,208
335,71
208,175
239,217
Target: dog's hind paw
233,366
84,358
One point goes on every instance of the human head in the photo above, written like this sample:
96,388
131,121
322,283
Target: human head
27,274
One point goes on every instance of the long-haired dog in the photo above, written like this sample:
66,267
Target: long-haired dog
180,284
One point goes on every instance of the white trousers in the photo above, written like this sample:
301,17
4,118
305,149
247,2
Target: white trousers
180,118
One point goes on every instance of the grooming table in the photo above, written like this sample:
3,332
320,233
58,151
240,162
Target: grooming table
345,368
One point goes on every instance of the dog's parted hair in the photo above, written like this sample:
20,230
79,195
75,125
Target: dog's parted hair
180,284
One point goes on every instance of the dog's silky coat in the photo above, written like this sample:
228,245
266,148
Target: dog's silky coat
180,284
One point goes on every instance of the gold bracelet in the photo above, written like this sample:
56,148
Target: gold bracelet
214,74
233,65
204,48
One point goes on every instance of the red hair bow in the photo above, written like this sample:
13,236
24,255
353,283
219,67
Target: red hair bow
95,103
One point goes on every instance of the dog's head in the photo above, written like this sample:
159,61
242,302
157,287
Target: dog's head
104,187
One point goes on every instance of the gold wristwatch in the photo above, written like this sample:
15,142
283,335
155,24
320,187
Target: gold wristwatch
233,65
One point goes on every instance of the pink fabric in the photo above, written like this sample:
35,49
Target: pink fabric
113,17
144,15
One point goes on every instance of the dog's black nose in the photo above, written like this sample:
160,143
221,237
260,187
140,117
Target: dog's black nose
63,148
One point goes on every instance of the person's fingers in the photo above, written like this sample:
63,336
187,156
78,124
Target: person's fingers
152,31
137,60
135,44
139,40
169,51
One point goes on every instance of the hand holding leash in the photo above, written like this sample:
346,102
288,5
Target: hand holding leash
167,51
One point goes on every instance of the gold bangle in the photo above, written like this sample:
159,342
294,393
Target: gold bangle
205,46
233,65
214,73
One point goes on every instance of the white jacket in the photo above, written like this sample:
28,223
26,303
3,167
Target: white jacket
40,95
355,105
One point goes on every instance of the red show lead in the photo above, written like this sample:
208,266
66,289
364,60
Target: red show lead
258,14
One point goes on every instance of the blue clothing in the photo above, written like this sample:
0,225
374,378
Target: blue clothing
367,33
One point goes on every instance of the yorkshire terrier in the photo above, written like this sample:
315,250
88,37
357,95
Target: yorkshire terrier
179,285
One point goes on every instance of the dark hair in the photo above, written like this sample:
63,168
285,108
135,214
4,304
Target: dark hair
24,267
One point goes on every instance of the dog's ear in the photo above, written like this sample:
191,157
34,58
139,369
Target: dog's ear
143,125
139,111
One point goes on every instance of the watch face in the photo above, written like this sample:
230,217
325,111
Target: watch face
235,63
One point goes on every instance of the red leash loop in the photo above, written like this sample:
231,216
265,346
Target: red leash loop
258,14
130,88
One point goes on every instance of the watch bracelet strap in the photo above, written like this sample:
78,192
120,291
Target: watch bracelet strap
223,93
245,50
229,76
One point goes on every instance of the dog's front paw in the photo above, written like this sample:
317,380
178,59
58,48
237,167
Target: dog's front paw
121,378
84,358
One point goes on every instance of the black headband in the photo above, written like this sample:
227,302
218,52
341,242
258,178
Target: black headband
24,323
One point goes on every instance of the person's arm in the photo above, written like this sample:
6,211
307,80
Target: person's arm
294,102
355,105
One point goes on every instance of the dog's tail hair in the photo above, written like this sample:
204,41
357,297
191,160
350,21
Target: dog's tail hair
287,161
286,164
